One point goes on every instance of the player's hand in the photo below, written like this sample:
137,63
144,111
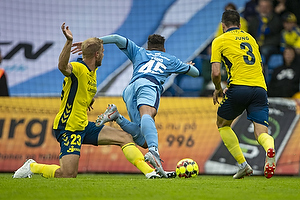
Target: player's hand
190,63
225,90
66,31
77,48
216,94
91,105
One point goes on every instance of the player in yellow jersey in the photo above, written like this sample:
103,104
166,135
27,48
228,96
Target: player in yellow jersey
71,125
246,90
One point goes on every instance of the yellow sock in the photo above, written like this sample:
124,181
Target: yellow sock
47,171
266,141
232,143
135,156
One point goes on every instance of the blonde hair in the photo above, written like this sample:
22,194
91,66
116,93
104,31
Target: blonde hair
90,46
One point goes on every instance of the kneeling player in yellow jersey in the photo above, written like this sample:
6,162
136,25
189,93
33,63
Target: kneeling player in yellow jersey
246,90
71,125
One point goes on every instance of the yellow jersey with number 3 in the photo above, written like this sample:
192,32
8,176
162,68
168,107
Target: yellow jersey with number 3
78,91
240,53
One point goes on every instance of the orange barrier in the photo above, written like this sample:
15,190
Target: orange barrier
186,128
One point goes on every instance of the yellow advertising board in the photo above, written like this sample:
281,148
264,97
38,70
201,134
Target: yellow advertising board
186,129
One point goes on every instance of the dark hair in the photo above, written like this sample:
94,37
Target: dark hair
156,42
294,50
231,18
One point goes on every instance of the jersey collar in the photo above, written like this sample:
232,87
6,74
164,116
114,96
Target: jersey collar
82,62
233,28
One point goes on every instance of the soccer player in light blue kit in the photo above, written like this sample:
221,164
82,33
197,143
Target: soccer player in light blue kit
151,68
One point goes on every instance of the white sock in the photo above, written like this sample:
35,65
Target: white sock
153,148
242,165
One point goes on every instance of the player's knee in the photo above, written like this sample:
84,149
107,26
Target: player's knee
223,122
124,138
66,173
69,175
219,124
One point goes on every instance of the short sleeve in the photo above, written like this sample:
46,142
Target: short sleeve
77,70
216,50
130,50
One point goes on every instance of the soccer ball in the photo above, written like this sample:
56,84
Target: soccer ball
187,168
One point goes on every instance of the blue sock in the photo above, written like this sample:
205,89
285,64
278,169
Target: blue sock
131,128
149,131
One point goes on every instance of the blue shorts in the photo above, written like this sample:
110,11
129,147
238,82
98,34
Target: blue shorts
252,99
70,142
141,92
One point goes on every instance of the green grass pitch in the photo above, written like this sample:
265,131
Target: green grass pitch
136,186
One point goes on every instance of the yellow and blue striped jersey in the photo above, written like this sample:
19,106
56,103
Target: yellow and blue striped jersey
240,53
78,91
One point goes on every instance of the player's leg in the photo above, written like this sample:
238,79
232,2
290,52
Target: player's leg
30,167
148,127
267,142
70,147
148,98
262,136
258,112
112,114
130,97
229,109
132,127
147,102
231,141
112,136
47,171
68,168
69,157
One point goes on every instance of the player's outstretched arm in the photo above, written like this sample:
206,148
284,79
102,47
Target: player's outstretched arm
193,71
116,39
63,62
120,41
